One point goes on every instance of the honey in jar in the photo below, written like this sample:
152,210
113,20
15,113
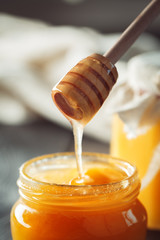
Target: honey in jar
136,128
55,205
140,151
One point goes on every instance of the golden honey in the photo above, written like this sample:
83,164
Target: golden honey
54,206
140,151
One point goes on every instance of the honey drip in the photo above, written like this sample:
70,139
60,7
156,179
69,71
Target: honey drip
78,135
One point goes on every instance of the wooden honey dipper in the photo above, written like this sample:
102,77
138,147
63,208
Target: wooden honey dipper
81,93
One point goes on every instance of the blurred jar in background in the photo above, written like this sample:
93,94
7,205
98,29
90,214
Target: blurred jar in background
136,128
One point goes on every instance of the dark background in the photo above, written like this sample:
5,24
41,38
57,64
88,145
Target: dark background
20,143
102,15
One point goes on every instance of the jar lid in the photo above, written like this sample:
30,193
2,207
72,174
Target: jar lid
144,73
137,99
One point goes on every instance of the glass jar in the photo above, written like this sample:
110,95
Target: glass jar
140,151
49,211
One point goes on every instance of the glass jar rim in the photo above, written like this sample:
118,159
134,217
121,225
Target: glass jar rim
131,182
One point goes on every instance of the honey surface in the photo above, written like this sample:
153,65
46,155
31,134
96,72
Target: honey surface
92,176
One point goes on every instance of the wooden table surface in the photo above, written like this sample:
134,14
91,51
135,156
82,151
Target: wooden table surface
20,143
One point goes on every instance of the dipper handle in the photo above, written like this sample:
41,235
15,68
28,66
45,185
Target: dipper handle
133,31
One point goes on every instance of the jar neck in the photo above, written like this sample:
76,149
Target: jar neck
123,196
112,194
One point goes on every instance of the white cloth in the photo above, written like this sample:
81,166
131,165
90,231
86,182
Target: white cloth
34,56
138,99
